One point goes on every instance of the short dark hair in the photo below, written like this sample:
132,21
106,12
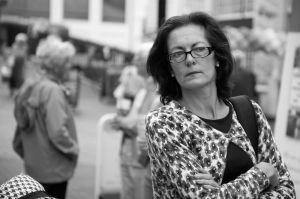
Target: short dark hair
158,65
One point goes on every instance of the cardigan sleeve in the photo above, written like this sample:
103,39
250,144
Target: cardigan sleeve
174,165
268,152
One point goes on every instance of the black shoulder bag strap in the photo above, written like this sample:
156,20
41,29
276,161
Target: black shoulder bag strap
246,116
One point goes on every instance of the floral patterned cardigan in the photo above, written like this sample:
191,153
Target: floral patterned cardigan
179,143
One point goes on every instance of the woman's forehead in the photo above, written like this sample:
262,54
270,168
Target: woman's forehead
187,36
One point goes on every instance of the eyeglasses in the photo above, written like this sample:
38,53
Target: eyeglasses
199,52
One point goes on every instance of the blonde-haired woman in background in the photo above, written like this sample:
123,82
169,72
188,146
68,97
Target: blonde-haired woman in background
46,137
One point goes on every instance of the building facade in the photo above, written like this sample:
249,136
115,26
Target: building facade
115,23
126,24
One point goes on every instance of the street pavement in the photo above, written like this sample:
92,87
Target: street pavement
86,115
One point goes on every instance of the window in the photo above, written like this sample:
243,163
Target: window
114,11
27,8
38,8
76,9
233,6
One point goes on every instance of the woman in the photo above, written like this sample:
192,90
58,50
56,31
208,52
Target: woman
46,135
194,138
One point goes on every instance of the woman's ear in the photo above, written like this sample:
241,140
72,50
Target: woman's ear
171,71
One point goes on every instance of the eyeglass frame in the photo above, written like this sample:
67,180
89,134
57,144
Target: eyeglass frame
210,50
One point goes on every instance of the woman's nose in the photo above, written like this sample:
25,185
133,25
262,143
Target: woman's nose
190,60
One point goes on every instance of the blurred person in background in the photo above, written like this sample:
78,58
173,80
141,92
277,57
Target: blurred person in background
145,100
36,32
197,146
127,103
149,101
244,80
5,70
46,137
17,62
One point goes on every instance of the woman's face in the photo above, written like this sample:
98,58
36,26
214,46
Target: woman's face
191,73
64,71
61,68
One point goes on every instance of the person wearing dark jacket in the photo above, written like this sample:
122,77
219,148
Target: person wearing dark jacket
17,60
244,81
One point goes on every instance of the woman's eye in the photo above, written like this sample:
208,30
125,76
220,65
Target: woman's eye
177,54
199,49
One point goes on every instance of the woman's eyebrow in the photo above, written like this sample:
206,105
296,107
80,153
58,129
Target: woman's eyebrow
200,42
176,48
193,45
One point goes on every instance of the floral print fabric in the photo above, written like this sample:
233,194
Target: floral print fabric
180,143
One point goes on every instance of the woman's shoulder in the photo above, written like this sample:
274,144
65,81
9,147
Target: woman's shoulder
50,86
257,108
47,89
163,112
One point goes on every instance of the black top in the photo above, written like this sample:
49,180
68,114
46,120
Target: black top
237,160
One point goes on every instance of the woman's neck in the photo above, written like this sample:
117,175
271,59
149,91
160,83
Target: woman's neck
204,104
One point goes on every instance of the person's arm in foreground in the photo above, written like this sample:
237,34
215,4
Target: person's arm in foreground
173,161
268,152
56,121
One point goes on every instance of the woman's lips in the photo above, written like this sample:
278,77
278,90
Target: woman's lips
192,73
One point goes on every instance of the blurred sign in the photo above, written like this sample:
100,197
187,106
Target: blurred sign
287,127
